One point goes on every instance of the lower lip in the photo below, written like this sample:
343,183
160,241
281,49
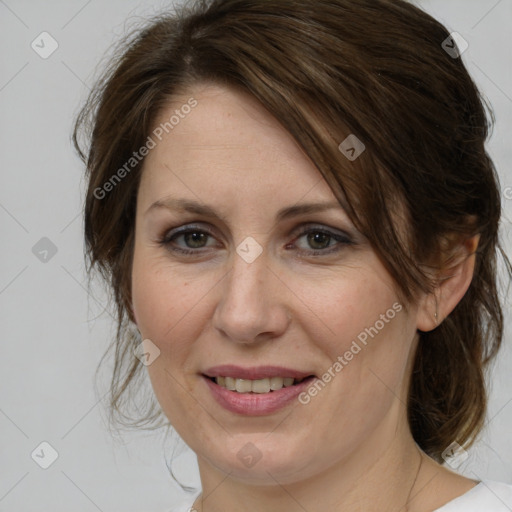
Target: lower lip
256,404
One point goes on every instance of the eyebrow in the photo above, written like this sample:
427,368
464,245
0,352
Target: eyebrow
187,205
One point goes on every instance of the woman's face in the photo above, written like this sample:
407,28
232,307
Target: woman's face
231,268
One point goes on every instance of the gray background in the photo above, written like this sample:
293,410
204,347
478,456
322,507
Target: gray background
54,332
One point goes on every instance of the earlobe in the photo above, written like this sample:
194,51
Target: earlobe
453,282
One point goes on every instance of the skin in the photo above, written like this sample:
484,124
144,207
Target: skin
350,447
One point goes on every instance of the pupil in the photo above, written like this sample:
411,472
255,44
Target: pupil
321,239
195,239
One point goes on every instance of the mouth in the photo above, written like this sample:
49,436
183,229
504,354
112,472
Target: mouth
255,391
257,386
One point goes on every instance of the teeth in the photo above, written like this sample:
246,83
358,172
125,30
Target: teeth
230,383
243,386
255,386
276,383
260,386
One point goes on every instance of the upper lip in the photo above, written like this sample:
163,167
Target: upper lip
254,372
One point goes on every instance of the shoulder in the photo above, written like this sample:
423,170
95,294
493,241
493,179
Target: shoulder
487,496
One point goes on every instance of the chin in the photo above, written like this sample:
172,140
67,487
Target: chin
253,460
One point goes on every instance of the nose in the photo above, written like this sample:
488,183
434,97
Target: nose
253,302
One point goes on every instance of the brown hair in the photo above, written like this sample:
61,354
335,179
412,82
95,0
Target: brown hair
326,69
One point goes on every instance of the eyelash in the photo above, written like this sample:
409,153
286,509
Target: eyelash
343,240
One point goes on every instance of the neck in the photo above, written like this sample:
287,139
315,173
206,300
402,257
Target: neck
371,478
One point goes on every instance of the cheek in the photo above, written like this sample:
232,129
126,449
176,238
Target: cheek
367,337
169,305
154,293
153,300
359,308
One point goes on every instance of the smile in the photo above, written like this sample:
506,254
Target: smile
255,391
256,386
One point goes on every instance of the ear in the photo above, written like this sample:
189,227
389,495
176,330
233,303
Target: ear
453,279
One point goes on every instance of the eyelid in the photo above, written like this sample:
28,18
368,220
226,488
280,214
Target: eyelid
170,233
312,226
341,238
322,228
297,231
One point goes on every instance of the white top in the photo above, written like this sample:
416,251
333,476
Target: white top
487,496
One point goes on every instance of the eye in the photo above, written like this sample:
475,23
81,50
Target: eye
310,241
187,240
318,241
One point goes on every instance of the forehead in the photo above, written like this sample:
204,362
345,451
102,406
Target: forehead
228,145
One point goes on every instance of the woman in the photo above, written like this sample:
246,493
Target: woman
292,203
